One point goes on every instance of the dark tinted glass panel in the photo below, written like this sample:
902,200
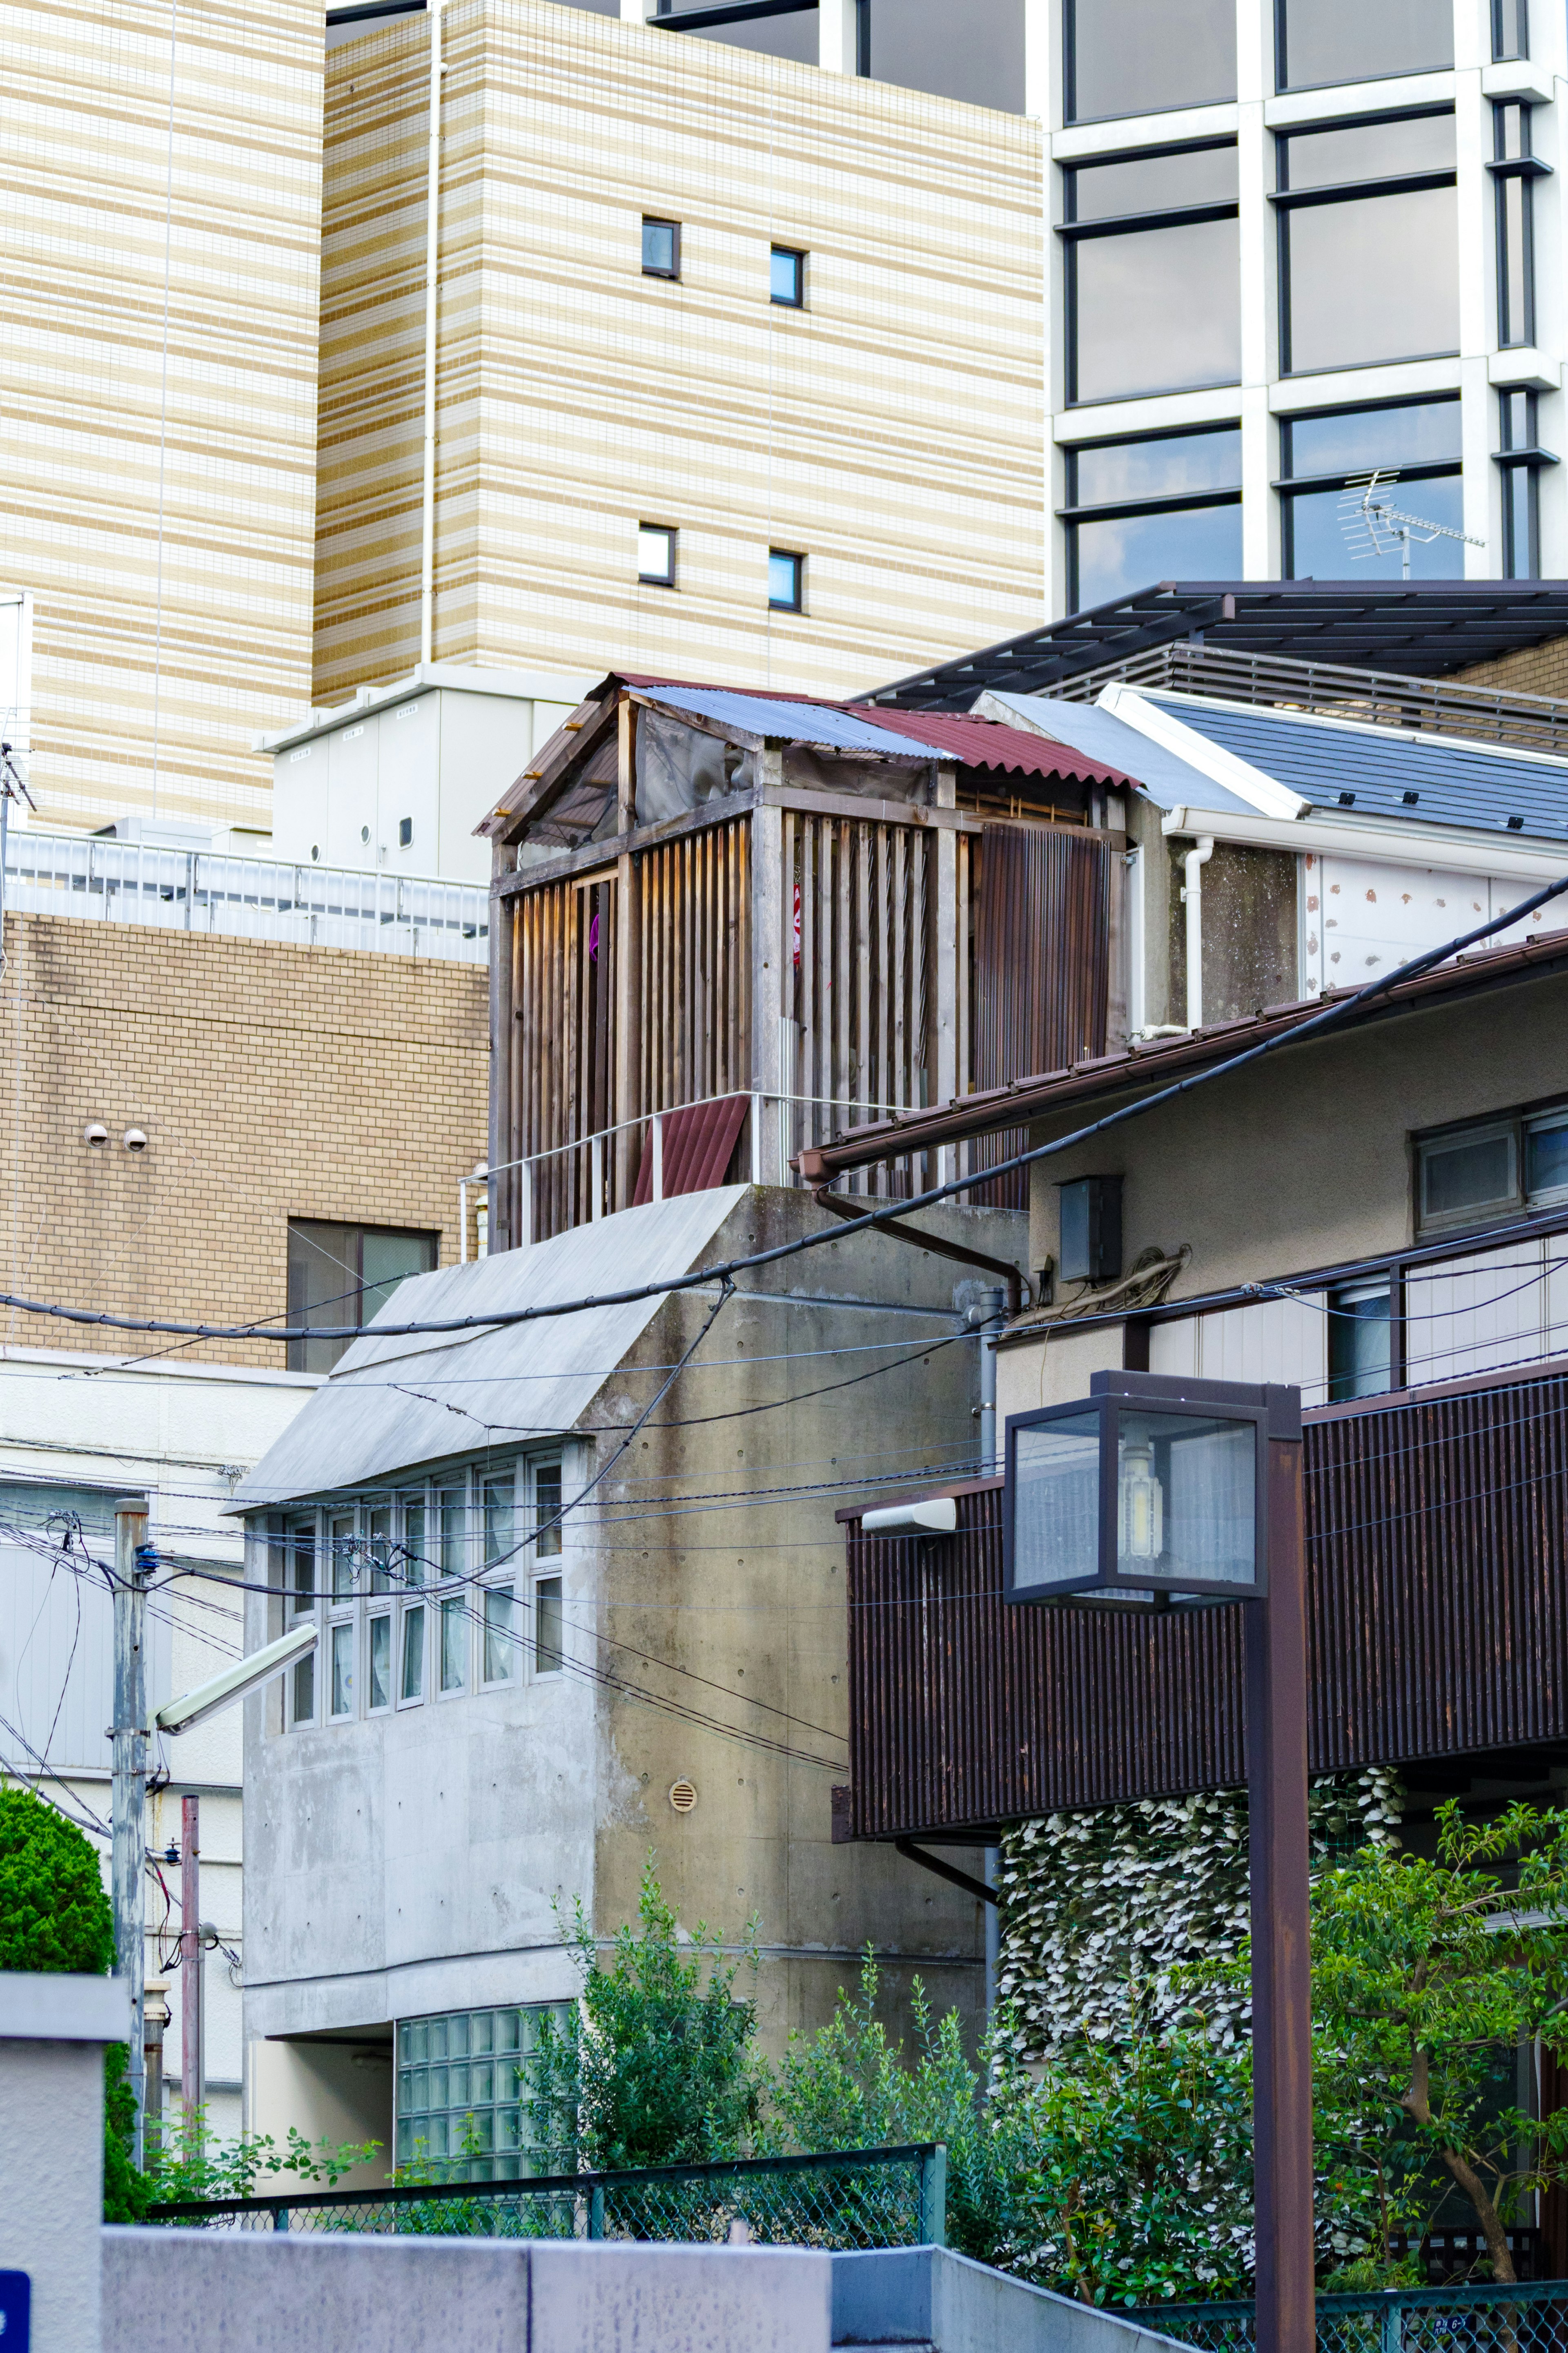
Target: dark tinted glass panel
975,52
1416,433
794,36
1118,471
1201,543
1358,1343
1472,1173
660,248
1156,310
1152,183
1367,150
1521,524
786,277
1125,57
389,1259
1512,135
1510,28
1546,1160
1351,40
1515,293
1374,279
1318,547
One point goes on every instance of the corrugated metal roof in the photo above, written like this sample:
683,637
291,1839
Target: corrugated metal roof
1168,781
795,722
988,744
1453,782
392,1405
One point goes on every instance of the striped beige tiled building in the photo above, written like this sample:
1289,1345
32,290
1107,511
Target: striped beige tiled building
891,431
161,300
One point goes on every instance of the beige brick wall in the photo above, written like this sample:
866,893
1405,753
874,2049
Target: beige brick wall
271,1082
893,432
1533,670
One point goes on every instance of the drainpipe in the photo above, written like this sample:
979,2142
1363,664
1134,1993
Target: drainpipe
432,272
991,1318
1193,896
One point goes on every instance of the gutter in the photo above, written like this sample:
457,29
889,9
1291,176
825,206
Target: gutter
1444,853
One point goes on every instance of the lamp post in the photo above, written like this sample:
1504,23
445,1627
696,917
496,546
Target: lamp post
1156,1494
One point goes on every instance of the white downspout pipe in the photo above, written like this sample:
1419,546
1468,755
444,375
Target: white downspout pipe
432,275
1197,857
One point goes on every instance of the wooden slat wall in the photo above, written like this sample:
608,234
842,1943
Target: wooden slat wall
857,980
695,936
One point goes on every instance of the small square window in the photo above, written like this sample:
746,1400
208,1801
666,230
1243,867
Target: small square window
787,579
1468,1176
660,248
656,555
786,278
501,1646
548,1653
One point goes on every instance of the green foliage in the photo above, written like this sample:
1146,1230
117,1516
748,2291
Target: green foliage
193,2163
1428,1973
54,1914
657,2065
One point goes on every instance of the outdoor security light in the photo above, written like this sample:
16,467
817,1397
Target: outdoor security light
1149,1493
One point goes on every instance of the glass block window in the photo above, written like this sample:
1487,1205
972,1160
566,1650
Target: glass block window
463,2093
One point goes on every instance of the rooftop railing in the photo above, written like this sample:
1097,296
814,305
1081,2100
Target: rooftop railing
244,898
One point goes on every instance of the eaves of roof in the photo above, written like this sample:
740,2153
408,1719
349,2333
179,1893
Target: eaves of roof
1162,1061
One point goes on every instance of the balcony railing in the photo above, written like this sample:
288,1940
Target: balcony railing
244,898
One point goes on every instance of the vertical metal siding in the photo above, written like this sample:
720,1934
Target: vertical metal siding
1438,1556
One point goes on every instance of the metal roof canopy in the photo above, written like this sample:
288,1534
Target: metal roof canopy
1421,628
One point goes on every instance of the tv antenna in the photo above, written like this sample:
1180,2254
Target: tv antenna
1374,525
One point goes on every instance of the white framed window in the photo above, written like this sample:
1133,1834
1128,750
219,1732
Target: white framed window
378,1662
340,1651
378,1544
411,1666
454,1644
655,555
301,1553
303,1691
343,1549
544,1480
449,1526
500,1661
549,1652
413,1551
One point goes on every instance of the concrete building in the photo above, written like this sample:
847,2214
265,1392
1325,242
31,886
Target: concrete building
165,176
219,1117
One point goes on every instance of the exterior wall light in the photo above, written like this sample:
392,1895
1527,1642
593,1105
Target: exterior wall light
1153,1492
95,1133
135,1139
1147,1494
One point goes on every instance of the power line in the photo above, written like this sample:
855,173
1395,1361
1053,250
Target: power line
1331,1017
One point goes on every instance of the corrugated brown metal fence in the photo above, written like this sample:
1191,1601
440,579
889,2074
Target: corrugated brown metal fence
1437,1565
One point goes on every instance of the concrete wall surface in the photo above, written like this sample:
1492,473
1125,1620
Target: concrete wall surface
176,2292
51,2174
930,2297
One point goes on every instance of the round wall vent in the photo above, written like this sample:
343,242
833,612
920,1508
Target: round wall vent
683,1796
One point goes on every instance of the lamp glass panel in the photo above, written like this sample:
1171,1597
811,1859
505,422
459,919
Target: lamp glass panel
1055,1501
1186,1499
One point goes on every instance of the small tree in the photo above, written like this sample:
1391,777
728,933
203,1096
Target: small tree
54,1914
1428,1973
656,2064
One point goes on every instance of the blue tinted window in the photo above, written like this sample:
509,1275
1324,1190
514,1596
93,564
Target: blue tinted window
1110,472
1416,433
1132,552
1319,548
785,580
1359,1359
661,248
786,277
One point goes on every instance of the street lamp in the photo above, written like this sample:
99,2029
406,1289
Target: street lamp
1158,1494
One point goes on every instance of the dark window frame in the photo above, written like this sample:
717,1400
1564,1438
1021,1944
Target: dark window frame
1072,513
1519,452
1289,486
1517,1124
671,276
788,604
348,1308
1284,87
1513,177
1074,232
660,579
1500,11
795,253
1285,200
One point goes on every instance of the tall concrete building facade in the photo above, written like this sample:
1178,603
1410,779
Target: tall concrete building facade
163,173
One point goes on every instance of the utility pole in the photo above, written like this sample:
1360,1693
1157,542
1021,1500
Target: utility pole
193,2018
132,1574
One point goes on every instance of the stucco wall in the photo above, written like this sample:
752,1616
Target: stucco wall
1305,1160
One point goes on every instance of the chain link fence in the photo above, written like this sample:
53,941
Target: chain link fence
859,2198
1530,2318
